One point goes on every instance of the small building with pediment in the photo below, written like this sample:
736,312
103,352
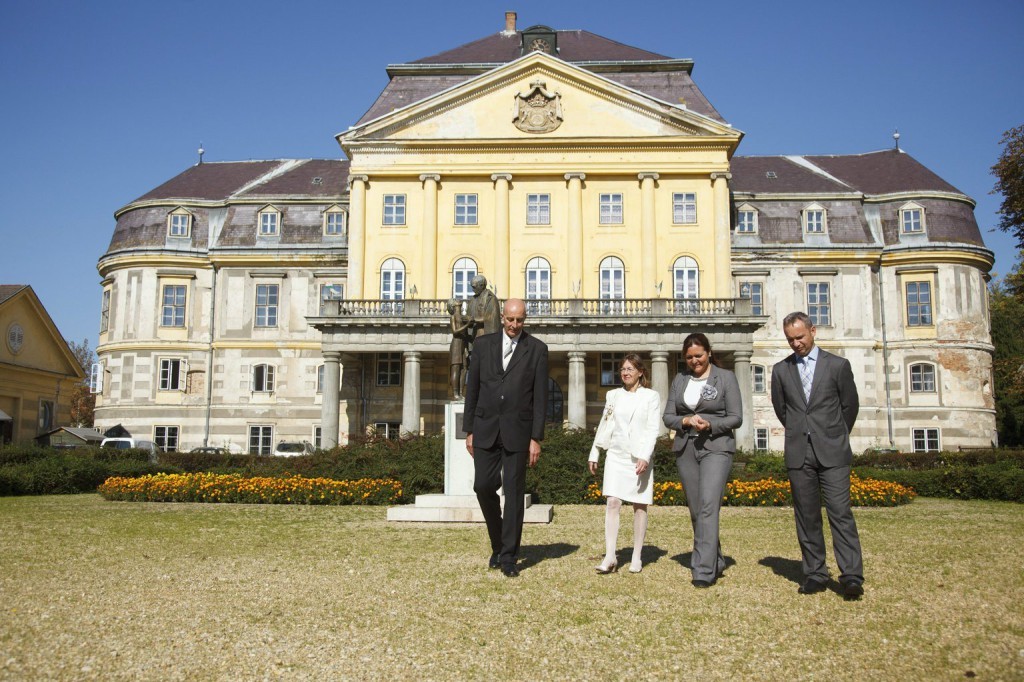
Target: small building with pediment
250,302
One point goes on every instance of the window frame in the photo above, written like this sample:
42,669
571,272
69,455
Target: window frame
538,208
391,430
684,208
393,210
267,313
761,436
388,369
920,383
611,210
175,228
177,307
905,212
756,298
926,436
161,440
758,384
467,209
820,225
268,222
814,309
537,284
743,226
392,285
264,439
918,314
105,311
327,287
463,272
610,365
263,378
168,381
335,215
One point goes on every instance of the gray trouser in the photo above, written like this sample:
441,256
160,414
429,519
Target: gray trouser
704,482
811,483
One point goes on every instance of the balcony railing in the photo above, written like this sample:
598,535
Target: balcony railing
556,307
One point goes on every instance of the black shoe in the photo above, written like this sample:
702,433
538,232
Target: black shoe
813,586
510,571
495,561
852,590
701,584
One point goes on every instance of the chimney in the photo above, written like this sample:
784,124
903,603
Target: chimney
510,23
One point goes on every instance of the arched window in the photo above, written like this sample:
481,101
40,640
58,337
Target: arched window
613,282
686,283
392,284
555,410
538,284
462,274
922,378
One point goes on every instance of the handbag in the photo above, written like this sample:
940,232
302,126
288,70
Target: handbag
603,437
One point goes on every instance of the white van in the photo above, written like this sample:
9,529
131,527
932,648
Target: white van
132,443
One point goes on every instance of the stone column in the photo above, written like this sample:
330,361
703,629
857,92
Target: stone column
723,241
502,249
411,393
574,241
356,235
648,236
660,382
577,390
744,434
428,275
330,392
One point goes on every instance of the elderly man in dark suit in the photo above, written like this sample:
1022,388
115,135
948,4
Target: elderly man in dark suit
506,403
815,398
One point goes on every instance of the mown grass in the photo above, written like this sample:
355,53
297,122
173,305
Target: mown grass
98,590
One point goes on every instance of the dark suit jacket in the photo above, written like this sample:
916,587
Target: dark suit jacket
512,402
724,411
828,416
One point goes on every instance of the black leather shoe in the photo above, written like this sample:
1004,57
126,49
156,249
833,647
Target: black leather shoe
495,561
812,586
852,591
510,571
701,584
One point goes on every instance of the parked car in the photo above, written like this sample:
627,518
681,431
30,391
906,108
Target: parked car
209,450
293,449
130,444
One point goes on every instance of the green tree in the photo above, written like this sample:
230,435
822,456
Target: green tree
83,402
1007,311
1009,172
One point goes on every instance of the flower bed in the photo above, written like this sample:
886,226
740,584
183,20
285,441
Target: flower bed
202,487
770,492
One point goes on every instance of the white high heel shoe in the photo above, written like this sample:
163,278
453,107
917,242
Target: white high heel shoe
605,567
635,566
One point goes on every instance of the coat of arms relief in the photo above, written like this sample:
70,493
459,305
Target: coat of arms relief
537,110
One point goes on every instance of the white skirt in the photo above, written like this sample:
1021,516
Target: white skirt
621,481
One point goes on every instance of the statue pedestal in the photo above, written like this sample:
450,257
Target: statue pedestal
459,503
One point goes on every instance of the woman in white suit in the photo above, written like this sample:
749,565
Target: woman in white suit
703,408
627,432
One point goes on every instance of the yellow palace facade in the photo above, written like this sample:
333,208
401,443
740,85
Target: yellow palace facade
246,303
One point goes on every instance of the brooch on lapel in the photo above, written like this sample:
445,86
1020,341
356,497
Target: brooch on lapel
709,392
608,412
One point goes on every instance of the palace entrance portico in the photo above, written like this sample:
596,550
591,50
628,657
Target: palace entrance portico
575,330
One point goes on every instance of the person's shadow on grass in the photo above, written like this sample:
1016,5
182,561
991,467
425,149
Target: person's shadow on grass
790,569
531,555
686,561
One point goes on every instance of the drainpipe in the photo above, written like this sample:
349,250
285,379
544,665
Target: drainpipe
885,354
209,358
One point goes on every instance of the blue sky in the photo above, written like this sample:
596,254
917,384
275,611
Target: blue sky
105,100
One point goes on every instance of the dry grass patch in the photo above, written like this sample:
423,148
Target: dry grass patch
98,590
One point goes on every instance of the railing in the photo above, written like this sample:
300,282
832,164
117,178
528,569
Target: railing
556,307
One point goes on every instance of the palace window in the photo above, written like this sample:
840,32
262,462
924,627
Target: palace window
556,403
320,379
335,223
173,310
610,369
105,311
465,209
819,305
538,285
166,438
96,376
389,369
179,223
269,221
266,305
318,437
330,292
172,374
815,220
755,292
684,208
538,209
612,282
911,219
394,209
746,221
389,430
462,274
926,440
760,438
919,304
922,378
263,378
261,440
758,375
611,209
392,283
686,283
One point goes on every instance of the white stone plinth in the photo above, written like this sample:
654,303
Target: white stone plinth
458,465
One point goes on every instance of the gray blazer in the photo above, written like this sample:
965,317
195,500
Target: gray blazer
721,405
826,419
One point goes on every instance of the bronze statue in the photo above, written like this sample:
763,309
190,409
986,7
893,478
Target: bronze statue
483,309
461,338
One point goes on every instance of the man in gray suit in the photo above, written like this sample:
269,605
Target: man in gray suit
815,398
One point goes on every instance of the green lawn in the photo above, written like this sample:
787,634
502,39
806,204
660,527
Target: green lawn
99,590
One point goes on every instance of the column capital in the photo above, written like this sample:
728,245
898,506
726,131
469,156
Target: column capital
742,355
411,354
332,355
507,177
357,178
721,176
577,355
659,356
576,176
430,176
647,175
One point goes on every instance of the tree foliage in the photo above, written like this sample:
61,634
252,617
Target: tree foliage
1007,312
1009,172
83,402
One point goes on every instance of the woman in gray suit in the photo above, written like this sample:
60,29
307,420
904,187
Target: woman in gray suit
704,406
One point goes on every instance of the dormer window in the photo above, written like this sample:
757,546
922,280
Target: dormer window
179,223
912,219
269,221
335,222
746,219
815,219
540,39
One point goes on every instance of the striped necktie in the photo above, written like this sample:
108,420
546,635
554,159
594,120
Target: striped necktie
806,377
509,349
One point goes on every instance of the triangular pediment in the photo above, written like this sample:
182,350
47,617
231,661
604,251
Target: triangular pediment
536,99
30,338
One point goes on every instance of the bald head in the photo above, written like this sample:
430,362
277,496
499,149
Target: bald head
513,316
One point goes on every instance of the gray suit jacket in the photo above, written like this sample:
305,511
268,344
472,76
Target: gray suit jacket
721,405
826,419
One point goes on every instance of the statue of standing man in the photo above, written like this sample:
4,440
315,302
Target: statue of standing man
483,309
